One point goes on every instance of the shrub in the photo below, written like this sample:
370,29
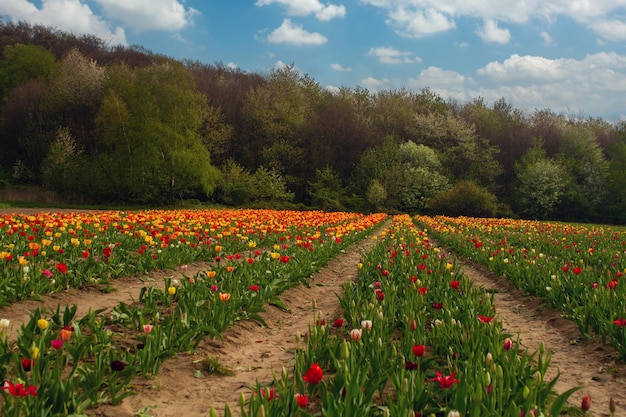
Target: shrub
466,198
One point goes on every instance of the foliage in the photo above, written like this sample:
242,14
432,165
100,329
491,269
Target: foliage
376,194
269,186
151,130
23,63
327,191
60,171
422,177
540,183
236,184
465,198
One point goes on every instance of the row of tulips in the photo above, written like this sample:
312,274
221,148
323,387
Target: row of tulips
60,364
577,269
51,252
415,339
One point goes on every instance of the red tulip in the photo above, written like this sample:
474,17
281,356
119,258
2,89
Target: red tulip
586,403
302,400
418,350
314,375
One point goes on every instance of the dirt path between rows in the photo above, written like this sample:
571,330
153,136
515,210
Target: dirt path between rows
254,352
587,364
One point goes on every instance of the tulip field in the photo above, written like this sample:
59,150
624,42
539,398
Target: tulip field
576,269
412,336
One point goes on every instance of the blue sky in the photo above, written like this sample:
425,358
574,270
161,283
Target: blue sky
565,55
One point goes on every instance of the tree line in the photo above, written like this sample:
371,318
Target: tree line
124,125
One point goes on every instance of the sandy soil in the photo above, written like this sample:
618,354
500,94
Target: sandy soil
253,352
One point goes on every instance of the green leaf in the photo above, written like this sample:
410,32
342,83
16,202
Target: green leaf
559,402
277,302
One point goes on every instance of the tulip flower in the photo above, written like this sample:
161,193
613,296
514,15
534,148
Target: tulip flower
508,344
314,374
419,350
42,324
302,400
19,390
355,334
445,382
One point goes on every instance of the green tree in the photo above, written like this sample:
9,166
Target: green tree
269,187
540,183
464,155
276,113
421,170
327,191
150,122
615,209
236,186
60,170
23,63
584,160
376,195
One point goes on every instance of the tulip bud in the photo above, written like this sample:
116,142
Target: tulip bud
413,325
242,401
586,403
212,412
508,343
314,304
405,386
612,406
537,377
261,412
344,350
487,378
526,392
488,359
355,334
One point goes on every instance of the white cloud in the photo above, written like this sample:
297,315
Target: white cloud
295,34
67,15
389,55
232,66
308,7
144,15
547,39
338,67
444,82
610,29
281,65
525,70
490,32
333,89
418,18
419,23
375,84
595,84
